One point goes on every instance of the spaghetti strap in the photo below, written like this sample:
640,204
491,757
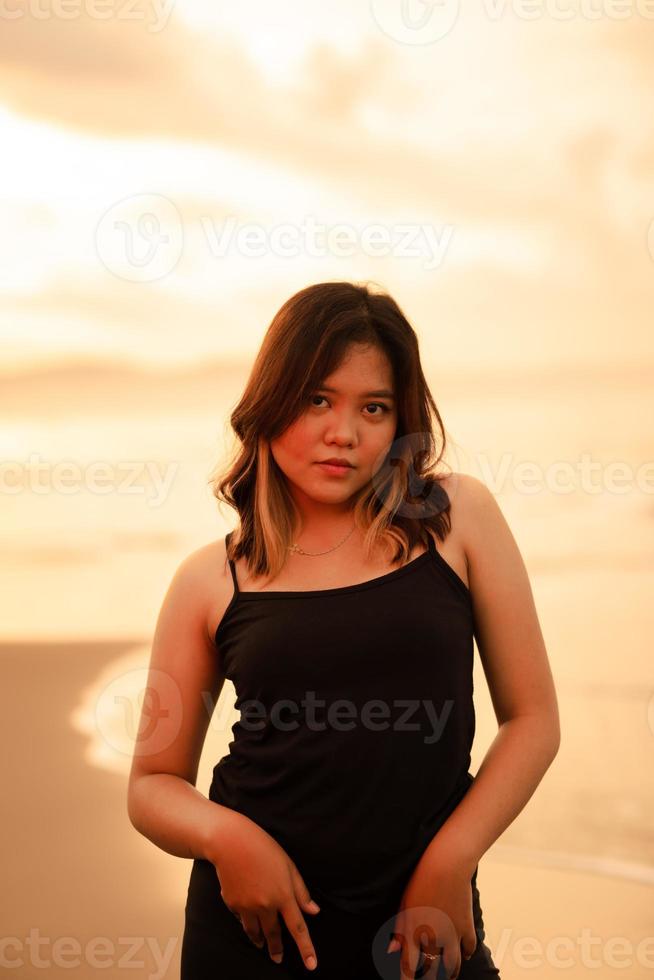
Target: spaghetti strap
450,572
232,567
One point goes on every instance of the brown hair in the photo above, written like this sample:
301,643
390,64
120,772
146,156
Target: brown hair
304,343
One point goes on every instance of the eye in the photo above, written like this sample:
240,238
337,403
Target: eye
384,408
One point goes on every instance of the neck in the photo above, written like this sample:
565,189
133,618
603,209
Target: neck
320,537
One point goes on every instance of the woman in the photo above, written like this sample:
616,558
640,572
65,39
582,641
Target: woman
344,609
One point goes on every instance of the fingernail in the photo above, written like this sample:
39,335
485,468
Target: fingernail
277,957
312,905
311,962
393,946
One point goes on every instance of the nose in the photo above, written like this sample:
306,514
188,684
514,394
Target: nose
340,430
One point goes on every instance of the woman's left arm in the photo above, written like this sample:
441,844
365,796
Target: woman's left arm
514,658
437,900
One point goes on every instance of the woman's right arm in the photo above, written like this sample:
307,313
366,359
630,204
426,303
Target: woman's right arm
184,682
258,880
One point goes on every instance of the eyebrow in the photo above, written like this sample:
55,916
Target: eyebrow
381,393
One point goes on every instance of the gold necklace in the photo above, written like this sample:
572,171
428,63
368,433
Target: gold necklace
296,548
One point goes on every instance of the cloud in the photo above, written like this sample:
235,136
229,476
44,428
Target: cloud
554,156
114,79
117,79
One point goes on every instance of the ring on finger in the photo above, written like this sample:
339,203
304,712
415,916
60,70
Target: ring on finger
430,957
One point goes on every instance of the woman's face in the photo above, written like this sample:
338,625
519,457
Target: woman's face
353,421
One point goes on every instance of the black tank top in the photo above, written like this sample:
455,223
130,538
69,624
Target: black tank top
357,722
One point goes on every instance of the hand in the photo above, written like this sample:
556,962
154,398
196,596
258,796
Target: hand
258,880
435,916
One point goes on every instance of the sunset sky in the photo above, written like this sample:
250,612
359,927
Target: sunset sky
519,142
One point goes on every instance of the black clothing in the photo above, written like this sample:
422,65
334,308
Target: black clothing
353,747
357,746
348,947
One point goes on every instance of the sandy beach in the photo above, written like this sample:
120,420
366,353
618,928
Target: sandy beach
76,874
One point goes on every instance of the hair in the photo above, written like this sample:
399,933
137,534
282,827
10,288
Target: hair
307,340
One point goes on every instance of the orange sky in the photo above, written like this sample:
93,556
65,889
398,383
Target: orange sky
520,143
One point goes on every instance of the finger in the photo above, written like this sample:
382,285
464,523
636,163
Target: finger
229,908
450,957
252,928
468,945
430,965
298,929
396,938
273,934
302,894
409,958
430,952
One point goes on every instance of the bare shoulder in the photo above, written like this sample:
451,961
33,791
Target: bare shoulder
476,514
463,487
207,568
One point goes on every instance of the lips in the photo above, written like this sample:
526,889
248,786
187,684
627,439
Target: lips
333,469
337,462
